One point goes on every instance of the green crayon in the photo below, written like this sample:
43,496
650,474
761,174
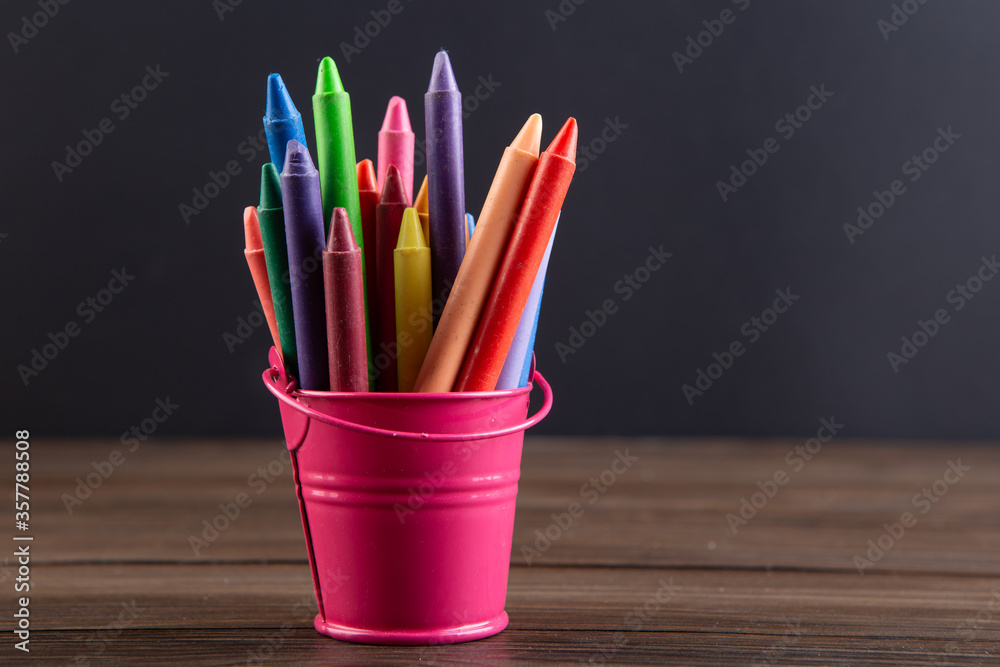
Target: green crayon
272,234
335,159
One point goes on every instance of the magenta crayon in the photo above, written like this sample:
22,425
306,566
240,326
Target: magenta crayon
395,145
303,207
344,280
445,175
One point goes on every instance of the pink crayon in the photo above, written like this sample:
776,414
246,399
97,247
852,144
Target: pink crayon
395,146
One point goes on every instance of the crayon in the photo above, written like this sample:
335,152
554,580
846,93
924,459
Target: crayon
335,157
272,234
282,121
515,369
445,175
369,192
412,275
254,253
420,203
303,207
462,311
470,226
388,217
343,280
395,145
516,275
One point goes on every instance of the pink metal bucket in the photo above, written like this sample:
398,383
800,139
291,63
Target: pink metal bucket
407,503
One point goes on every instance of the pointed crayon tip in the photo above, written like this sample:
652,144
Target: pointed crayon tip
529,139
410,233
564,143
279,102
341,235
297,159
270,187
393,191
420,203
396,117
328,78
366,176
442,77
251,229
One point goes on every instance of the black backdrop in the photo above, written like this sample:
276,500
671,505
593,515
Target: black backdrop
665,119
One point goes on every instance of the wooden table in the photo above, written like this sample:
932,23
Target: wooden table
651,572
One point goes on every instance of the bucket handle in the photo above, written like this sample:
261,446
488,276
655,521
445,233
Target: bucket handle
271,375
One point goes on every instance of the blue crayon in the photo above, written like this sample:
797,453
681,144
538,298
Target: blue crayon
470,223
517,365
282,121
303,208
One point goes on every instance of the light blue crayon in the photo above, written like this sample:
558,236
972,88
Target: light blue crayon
282,121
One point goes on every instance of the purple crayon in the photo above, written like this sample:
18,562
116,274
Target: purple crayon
303,207
445,176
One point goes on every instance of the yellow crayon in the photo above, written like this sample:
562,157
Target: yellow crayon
411,262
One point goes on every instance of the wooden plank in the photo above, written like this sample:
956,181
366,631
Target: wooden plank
668,509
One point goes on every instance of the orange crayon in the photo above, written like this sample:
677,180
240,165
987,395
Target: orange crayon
369,191
457,326
258,269
420,203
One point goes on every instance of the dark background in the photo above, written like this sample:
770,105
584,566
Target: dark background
654,184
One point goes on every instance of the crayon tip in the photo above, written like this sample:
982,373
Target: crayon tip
279,102
341,235
328,78
251,229
442,77
396,117
420,203
529,139
270,187
410,233
393,191
297,159
366,176
564,143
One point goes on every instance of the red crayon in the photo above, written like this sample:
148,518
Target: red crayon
368,189
516,275
343,281
388,217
